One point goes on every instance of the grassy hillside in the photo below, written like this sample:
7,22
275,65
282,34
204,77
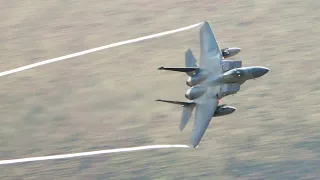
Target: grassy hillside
106,99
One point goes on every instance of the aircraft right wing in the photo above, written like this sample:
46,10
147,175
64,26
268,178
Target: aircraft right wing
210,53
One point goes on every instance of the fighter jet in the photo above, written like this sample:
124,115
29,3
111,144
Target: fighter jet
211,80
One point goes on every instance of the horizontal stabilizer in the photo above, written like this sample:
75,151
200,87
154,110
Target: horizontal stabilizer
179,69
190,60
185,116
176,102
186,112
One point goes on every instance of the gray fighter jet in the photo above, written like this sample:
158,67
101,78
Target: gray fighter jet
211,80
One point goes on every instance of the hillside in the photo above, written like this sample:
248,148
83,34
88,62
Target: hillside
106,99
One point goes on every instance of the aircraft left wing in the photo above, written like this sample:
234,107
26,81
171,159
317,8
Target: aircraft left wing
203,115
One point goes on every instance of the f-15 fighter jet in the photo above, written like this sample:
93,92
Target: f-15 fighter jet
212,80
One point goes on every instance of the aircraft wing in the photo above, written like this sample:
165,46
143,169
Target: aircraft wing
210,53
205,107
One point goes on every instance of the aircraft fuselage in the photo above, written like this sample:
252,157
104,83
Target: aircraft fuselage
240,75
232,79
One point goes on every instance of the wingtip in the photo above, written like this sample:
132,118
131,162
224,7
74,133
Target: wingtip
193,146
205,27
194,143
160,68
206,23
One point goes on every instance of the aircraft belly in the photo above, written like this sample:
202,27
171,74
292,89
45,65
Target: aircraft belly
211,93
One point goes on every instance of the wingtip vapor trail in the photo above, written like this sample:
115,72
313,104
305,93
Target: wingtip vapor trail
98,49
90,153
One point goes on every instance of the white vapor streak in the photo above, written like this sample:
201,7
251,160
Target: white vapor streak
91,153
97,49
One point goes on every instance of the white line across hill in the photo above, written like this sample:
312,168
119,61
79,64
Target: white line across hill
91,153
98,49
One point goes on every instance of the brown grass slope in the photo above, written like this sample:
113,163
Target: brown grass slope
106,99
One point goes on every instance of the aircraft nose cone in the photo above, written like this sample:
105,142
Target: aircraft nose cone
259,71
